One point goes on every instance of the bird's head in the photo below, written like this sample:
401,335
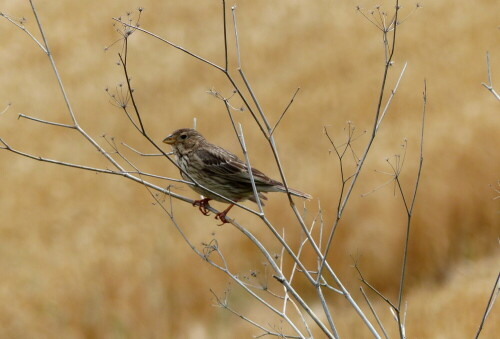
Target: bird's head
184,139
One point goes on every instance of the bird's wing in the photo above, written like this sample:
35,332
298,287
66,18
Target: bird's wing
218,161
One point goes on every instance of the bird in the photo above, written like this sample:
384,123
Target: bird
220,171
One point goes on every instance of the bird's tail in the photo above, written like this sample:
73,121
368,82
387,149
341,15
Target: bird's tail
296,193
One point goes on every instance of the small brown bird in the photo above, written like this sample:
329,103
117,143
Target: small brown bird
220,171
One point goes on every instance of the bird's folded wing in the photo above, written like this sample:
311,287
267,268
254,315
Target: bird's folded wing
218,161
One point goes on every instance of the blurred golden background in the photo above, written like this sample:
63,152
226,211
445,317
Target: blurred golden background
85,255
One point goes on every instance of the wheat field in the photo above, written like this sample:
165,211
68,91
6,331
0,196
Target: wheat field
85,255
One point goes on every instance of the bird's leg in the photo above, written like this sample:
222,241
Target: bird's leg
222,215
203,203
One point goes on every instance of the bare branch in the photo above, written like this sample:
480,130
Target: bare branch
52,62
6,108
225,34
424,105
364,281
327,311
46,121
410,210
393,92
144,154
374,312
224,304
361,162
237,41
409,216
170,43
247,160
494,294
21,27
489,85
286,109
129,86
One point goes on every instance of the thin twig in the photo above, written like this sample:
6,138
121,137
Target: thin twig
494,293
124,173
169,43
364,281
65,97
280,277
410,210
52,62
327,311
393,92
6,108
225,34
125,71
237,41
489,85
250,172
224,304
21,27
144,154
45,121
150,175
368,146
286,109
374,312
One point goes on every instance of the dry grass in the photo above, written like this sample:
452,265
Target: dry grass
88,256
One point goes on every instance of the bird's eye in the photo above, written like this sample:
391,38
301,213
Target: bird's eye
183,136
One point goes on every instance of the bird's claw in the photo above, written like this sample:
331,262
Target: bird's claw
222,217
202,205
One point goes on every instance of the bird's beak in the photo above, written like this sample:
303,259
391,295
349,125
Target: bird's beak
169,140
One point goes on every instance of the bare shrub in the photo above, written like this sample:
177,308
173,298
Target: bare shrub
296,285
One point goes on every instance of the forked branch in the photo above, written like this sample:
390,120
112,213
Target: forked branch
489,85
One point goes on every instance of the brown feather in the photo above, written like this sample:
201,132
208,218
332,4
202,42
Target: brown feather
219,170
